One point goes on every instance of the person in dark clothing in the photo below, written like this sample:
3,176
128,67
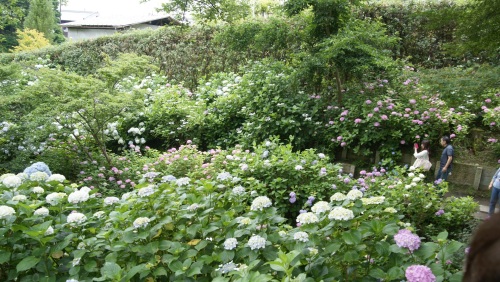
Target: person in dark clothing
446,163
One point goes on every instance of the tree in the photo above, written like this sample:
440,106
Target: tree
208,10
41,17
30,39
329,16
479,28
13,13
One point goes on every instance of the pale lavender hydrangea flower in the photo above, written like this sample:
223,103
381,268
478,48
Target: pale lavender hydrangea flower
406,239
419,273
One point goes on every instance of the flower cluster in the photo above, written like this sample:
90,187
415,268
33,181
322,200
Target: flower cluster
320,207
12,181
419,273
301,236
230,244
79,196
39,176
141,222
373,200
260,203
406,239
76,217
256,242
54,198
6,211
338,197
110,201
340,213
354,194
43,211
57,177
307,218
146,191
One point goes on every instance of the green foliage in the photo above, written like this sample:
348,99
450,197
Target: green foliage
328,16
478,28
425,28
30,39
206,10
41,17
13,13
206,229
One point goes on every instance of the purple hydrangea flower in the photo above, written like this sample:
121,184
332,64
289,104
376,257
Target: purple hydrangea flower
439,212
406,239
419,273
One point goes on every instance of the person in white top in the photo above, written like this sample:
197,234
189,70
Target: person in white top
422,157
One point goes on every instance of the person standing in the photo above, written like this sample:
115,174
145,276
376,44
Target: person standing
422,157
446,162
495,192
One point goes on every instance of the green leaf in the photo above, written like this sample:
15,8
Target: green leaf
194,269
382,248
27,263
443,235
394,273
352,237
276,265
134,270
426,250
226,256
351,256
377,273
390,229
111,270
4,256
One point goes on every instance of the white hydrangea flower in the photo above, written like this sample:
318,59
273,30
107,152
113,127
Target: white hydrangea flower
299,167
193,207
23,176
72,280
227,267
3,176
57,177
391,210
12,181
245,221
312,251
282,233
146,191
256,242
354,194
19,198
110,201
408,186
321,155
373,200
307,218
320,207
54,198
238,190
224,176
39,176
49,231
38,190
340,213
411,174
260,203
421,176
128,195
43,211
230,244
76,217
85,189
301,236
183,181
416,179
6,211
78,197
338,197
141,222
98,214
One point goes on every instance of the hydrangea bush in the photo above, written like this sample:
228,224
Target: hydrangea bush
221,228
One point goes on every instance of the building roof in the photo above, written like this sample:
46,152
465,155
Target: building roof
75,15
120,21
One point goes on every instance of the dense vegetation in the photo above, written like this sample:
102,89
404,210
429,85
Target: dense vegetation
191,153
